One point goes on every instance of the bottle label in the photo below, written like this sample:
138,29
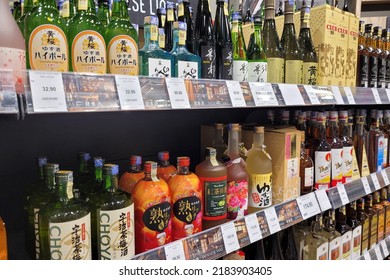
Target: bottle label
388,73
65,9
381,148
240,70
365,234
226,8
160,68
89,52
237,199
322,163
309,73
337,164
293,71
170,16
335,249
182,37
36,233
364,60
381,225
355,169
322,252
387,221
207,54
161,40
373,71
48,49
275,70
374,231
257,72
214,196
227,60
116,233
163,19
347,164
82,5
71,240
260,190
187,216
187,69
14,59
346,240
123,56
356,242
385,151
365,169
382,64
180,9
309,176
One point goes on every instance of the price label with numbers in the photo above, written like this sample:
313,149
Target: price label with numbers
312,95
343,194
253,227
366,185
263,94
384,248
177,93
376,96
272,220
378,253
230,238
235,93
129,92
349,94
174,251
385,177
337,95
375,180
367,256
308,205
47,90
323,200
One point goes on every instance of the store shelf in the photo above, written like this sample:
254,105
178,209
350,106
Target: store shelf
379,252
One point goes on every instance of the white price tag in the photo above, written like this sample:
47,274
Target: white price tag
366,185
272,220
337,95
375,181
312,95
253,227
385,177
367,256
384,248
263,94
230,238
378,253
129,92
349,94
47,90
308,205
388,93
323,200
235,93
376,96
291,94
177,93
343,194
174,251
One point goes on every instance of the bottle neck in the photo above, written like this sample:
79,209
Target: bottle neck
86,6
50,181
84,167
117,7
233,142
183,170
258,140
98,173
65,190
270,13
151,34
179,40
110,183
134,168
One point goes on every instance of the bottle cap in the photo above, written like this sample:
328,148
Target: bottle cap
237,17
343,115
161,11
302,115
387,113
64,175
234,126
161,31
286,115
334,116
219,125
170,5
98,161
152,20
379,114
51,168
313,115
259,129
150,166
368,28
111,169
183,161
42,160
135,160
210,152
180,25
377,30
164,155
84,156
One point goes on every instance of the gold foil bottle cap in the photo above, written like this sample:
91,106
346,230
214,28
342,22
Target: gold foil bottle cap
259,129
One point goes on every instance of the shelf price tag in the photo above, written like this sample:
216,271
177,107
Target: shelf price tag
174,251
230,238
253,227
343,194
308,205
384,248
366,185
263,94
177,93
272,220
349,94
291,94
323,200
385,177
376,96
367,256
47,90
235,93
312,95
378,253
337,95
375,181
129,92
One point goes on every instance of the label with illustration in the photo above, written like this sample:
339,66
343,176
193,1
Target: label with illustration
116,233
337,164
257,72
187,217
381,150
240,70
347,164
385,151
346,240
381,225
123,56
15,60
293,71
335,249
260,190
322,163
237,199
160,68
322,252
309,73
214,196
275,70
387,222
187,69
71,240
374,231
365,232
356,242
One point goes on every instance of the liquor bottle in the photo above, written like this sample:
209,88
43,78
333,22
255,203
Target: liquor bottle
316,244
83,178
103,12
373,221
112,215
28,5
152,203
257,60
386,204
97,184
373,57
183,15
36,202
122,42
224,45
365,222
376,45
360,146
387,47
165,169
281,8
348,149
375,144
306,166
241,146
153,61
302,121
65,225
333,236
39,184
17,10
309,55
187,65
255,251
345,6
381,212
259,167
240,61
345,231
171,18
162,17
382,128
288,246
68,12
161,38
293,63
382,60
204,40
363,58
87,46
218,141
187,197
213,179
272,46
273,250
130,177
3,241
336,146
322,157
248,19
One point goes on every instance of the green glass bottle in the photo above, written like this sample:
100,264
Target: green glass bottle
240,62
83,178
153,61
187,65
86,43
122,42
184,15
103,12
293,64
171,18
112,220
65,225
96,185
46,42
27,7
257,60
36,202
68,11
39,184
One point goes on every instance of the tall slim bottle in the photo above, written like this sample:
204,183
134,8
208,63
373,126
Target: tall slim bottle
380,210
336,146
373,221
183,15
273,250
289,249
386,204
219,140
240,61
382,69
375,144
162,17
362,58
306,166
322,157
345,131
360,146
365,222
345,231
171,18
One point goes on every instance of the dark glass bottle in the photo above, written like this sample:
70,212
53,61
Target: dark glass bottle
382,62
289,249
365,222
373,57
373,221
273,250
380,210
345,6
183,15
162,16
356,227
345,231
171,18
255,251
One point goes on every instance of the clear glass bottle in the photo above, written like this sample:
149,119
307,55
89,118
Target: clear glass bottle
345,231
333,236
165,170
336,146
240,61
306,166
130,177
356,226
171,18
322,156
183,15
345,132
316,244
